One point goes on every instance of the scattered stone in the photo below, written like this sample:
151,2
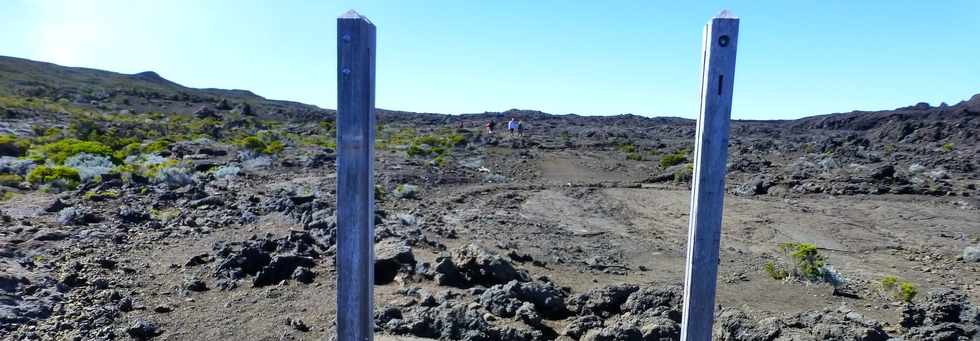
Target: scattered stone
133,215
971,253
297,324
77,216
406,191
143,329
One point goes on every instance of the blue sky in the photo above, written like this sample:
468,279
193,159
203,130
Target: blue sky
796,58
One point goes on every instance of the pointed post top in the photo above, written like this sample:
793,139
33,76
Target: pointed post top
725,14
352,14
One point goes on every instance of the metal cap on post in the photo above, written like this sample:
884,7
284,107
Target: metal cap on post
355,177
708,190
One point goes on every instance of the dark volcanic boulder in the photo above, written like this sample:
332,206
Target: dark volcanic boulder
506,299
455,321
391,256
479,266
280,268
605,301
944,314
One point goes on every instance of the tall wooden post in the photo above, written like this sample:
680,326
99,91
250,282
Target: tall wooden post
355,182
707,193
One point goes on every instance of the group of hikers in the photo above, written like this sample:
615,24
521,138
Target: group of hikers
516,127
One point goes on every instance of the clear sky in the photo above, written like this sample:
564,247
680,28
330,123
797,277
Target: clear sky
795,58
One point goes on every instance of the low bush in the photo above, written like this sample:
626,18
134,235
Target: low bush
898,288
264,143
90,166
57,174
10,180
673,159
11,145
948,147
684,174
807,260
776,271
57,152
907,291
888,283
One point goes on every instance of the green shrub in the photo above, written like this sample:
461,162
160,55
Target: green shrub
10,180
807,260
6,195
44,174
13,146
673,159
948,147
900,289
907,291
684,174
888,282
264,143
455,140
57,152
776,272
634,156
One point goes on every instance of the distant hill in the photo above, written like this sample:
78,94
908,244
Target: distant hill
144,91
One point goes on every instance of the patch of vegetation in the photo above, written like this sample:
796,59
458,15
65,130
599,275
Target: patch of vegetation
907,291
44,174
14,146
888,282
10,180
898,288
684,174
264,142
57,152
948,147
632,151
673,159
807,260
7,195
436,144
775,271
101,195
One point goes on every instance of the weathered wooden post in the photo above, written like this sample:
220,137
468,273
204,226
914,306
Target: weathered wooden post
355,182
707,193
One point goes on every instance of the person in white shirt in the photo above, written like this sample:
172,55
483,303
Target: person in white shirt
512,126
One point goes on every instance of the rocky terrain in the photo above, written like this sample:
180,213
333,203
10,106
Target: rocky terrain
136,208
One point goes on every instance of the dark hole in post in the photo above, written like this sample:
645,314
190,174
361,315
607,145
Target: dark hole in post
723,40
721,82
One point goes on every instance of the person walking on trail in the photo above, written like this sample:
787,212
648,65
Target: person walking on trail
520,128
512,126
490,125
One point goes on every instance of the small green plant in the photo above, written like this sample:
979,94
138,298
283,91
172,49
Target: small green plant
907,291
634,156
44,174
673,159
807,260
888,283
775,271
948,147
898,288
